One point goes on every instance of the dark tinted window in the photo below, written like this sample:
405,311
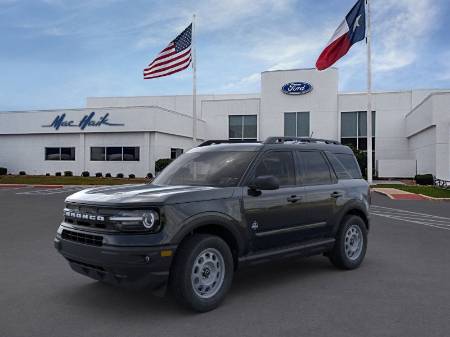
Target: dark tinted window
97,153
59,153
242,127
219,169
278,164
131,153
340,170
175,153
316,170
113,153
52,153
67,153
350,164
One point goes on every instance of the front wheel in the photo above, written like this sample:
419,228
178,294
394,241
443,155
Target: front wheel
202,272
351,243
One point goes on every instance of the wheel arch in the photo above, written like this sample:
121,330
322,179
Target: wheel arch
216,224
353,209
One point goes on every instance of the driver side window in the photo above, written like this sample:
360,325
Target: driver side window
279,164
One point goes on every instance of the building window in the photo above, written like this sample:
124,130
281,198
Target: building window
97,153
175,153
354,129
242,127
131,153
59,153
115,153
296,124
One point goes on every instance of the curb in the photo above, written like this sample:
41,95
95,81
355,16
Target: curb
384,193
29,185
12,185
46,186
433,198
427,197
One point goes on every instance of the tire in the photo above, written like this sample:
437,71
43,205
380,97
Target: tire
202,272
351,243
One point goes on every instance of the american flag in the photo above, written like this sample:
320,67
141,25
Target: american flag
172,59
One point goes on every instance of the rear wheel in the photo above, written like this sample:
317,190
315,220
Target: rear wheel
202,272
351,243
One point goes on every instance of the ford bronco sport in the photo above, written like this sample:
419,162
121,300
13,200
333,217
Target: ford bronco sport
216,208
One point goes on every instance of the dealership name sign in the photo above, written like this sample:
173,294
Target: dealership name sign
296,88
89,120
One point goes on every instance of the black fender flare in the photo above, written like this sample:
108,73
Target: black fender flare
222,220
352,207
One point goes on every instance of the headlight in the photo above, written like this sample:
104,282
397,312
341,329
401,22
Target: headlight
133,221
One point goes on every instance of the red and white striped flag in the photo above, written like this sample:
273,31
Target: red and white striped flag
172,59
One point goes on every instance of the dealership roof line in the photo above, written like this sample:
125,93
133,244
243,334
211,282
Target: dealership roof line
426,99
294,69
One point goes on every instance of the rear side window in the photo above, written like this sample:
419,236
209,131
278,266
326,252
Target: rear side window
315,168
345,165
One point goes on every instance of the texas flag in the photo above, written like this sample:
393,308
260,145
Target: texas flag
350,31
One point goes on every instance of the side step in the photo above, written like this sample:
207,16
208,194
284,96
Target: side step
308,248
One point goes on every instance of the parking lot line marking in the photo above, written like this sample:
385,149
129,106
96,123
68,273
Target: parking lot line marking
54,191
383,208
408,219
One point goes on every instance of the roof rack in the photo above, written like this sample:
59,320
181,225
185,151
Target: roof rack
226,141
299,140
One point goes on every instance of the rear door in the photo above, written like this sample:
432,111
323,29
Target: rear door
322,192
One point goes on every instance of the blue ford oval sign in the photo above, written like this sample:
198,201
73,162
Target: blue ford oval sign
296,88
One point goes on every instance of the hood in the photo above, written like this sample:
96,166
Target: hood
143,194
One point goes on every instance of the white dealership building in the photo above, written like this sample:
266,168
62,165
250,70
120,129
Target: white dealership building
128,134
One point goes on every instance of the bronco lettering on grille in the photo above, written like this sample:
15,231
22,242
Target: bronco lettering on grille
82,216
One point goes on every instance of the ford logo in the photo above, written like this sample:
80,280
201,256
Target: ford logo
296,88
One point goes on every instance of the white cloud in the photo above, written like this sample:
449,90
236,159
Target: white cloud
244,83
400,29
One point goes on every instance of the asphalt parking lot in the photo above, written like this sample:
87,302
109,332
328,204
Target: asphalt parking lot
402,288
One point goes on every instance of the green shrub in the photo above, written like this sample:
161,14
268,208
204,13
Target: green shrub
3,171
119,175
149,176
47,174
108,175
99,175
424,179
85,174
68,173
161,164
58,174
131,176
22,173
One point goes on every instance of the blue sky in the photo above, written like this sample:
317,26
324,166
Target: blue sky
55,53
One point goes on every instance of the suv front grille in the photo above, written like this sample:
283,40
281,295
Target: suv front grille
87,239
92,217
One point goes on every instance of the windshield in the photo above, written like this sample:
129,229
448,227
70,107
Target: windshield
218,169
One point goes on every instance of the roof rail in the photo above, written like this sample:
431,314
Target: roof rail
299,140
226,141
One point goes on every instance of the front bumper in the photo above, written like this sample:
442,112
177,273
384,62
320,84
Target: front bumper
128,266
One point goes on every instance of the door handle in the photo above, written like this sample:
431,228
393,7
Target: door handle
294,198
336,194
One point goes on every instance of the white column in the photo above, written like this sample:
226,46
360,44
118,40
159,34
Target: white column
369,98
194,84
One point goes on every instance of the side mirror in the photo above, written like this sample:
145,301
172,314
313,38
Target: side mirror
265,183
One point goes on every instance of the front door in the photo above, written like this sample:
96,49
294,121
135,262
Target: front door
272,215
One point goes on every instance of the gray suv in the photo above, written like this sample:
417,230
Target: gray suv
216,208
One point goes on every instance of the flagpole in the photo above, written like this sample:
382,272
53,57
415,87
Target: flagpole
369,98
194,84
